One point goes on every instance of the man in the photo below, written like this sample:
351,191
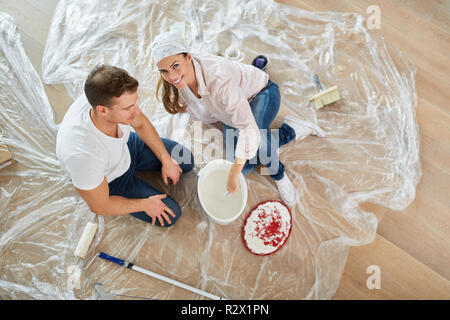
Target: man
96,146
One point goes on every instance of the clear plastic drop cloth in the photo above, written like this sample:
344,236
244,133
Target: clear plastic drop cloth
370,153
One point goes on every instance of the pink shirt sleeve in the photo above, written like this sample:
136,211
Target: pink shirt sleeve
232,100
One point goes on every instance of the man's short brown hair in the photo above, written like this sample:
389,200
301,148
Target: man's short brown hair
105,83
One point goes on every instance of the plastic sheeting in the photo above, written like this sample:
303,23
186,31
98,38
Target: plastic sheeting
370,153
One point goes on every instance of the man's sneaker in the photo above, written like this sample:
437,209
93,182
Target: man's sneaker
287,191
303,128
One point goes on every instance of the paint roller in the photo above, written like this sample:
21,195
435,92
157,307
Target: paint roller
86,239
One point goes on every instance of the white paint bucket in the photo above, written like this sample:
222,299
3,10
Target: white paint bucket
211,187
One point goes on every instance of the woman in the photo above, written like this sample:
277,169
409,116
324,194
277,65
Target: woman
241,96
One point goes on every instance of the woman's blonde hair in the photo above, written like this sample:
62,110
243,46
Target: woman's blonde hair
169,95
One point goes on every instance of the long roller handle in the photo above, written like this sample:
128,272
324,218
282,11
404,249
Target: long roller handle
158,276
105,256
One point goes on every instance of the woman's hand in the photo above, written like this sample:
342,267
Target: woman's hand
233,183
171,169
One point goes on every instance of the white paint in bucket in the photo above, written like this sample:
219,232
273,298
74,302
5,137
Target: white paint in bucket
211,188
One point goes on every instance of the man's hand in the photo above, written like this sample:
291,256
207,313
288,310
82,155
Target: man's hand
156,209
171,169
100,202
147,132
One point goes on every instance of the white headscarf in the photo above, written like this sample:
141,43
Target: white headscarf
167,44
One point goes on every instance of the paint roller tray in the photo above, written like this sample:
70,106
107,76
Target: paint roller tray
267,227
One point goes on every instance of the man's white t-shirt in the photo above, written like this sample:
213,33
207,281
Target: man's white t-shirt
87,154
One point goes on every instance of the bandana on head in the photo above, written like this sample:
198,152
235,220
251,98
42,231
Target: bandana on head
167,44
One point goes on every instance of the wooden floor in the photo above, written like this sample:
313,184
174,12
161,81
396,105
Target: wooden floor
412,247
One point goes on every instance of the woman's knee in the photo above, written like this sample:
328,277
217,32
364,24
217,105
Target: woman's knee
249,168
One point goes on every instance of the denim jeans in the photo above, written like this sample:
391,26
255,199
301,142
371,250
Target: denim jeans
143,159
265,108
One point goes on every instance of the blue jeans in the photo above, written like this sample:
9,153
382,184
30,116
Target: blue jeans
143,159
265,108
